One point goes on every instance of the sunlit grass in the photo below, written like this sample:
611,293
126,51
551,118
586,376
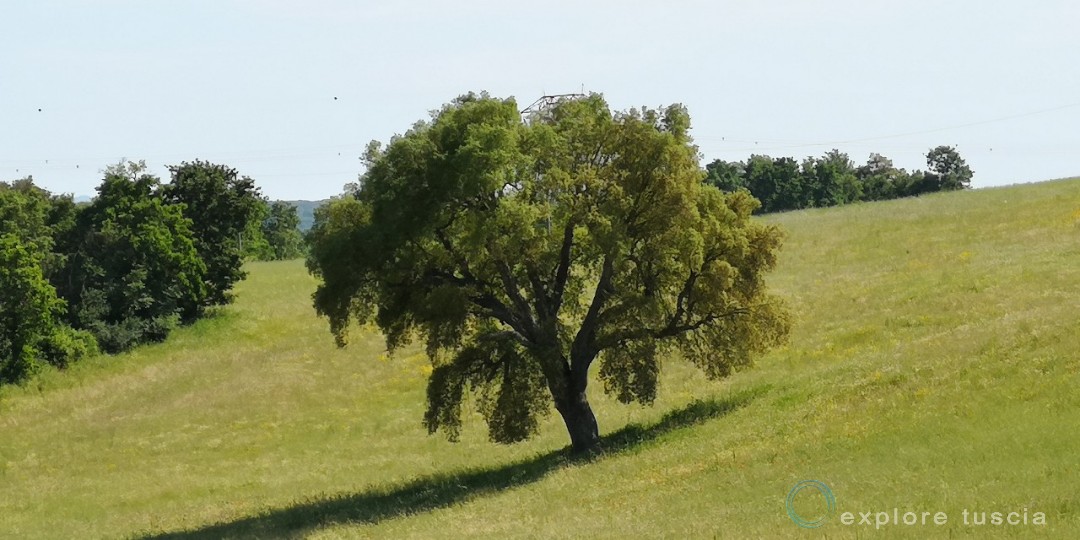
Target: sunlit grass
933,366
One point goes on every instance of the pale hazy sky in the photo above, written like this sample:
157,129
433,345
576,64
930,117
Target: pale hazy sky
252,83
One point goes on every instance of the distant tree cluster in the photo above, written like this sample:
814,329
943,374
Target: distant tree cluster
124,269
278,237
833,179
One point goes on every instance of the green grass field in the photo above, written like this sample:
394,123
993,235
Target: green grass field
934,366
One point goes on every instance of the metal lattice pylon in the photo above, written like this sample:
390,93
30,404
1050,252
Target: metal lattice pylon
542,105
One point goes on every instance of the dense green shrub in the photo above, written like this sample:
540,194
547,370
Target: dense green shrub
29,308
136,267
66,346
125,269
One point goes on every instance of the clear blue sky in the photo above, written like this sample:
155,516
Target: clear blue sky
252,83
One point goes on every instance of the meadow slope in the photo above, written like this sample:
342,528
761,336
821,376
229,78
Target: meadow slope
933,366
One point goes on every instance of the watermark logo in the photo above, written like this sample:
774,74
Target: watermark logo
815,521
813,511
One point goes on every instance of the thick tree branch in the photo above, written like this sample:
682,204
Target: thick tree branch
684,295
562,271
583,350
499,311
672,329
461,262
519,319
503,335
683,302
489,305
540,298
513,291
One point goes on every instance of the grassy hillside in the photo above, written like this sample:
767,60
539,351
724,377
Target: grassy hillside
933,367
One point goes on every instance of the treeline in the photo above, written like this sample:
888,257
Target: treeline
131,265
278,236
833,179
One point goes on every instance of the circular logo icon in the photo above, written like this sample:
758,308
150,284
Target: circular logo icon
820,487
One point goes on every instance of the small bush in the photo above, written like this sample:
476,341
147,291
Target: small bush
20,365
157,329
67,346
118,337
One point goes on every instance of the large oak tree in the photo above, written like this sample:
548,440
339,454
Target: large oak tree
524,251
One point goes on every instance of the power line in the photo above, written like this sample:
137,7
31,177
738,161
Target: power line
904,134
246,155
346,150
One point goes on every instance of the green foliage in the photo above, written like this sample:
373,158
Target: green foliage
253,245
510,386
66,346
725,176
775,182
221,206
879,179
830,180
24,212
334,237
136,267
31,315
273,233
38,219
781,184
520,252
29,308
949,169
281,229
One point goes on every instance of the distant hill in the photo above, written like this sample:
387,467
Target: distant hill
305,208
307,212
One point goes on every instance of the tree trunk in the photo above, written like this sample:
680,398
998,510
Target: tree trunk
580,423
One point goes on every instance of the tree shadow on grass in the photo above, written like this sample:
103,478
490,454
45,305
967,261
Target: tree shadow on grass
442,490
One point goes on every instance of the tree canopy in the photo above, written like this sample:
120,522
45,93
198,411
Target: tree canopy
950,170
221,205
281,230
32,329
29,308
522,252
783,184
136,269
